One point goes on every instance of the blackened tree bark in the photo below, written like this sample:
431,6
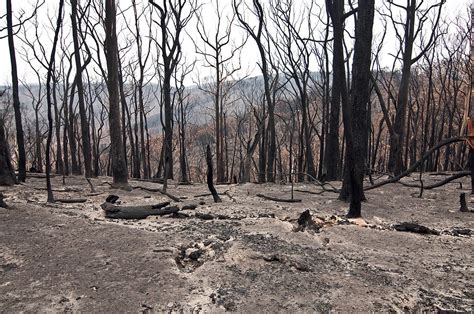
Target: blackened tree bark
335,9
7,173
119,166
355,118
49,97
75,168
86,145
16,98
471,109
210,176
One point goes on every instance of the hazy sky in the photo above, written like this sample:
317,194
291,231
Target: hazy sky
250,55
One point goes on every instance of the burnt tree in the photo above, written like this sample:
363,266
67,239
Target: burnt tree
119,166
16,98
355,118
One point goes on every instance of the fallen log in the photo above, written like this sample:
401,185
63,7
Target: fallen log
137,211
189,207
319,183
438,184
204,216
58,190
154,180
416,164
294,200
172,197
70,200
95,194
310,192
210,194
415,228
207,216
447,180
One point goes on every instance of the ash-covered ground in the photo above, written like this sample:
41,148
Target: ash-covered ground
245,254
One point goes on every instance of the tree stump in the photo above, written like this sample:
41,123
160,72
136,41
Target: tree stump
462,202
2,202
210,183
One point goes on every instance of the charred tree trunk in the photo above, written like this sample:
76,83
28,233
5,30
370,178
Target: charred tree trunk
57,126
38,141
16,98
7,173
355,118
75,168
50,102
210,183
119,167
86,142
338,92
